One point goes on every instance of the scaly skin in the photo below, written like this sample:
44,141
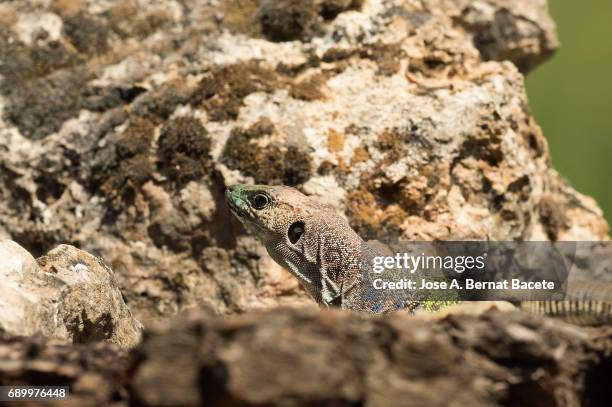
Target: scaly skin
333,263
329,259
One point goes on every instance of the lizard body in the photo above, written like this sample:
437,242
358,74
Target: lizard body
331,261
311,241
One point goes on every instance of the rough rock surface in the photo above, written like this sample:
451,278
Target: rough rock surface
68,295
291,357
123,121
95,372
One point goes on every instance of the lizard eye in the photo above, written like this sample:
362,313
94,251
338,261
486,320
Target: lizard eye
260,201
295,231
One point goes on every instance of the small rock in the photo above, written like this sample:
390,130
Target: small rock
67,294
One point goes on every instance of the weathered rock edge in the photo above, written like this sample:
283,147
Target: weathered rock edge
290,357
68,294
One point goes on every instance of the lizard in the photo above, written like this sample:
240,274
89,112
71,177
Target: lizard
333,263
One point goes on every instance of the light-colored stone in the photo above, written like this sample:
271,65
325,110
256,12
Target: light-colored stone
68,294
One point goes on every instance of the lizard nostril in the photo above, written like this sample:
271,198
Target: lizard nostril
228,194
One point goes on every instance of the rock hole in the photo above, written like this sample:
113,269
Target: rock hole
48,189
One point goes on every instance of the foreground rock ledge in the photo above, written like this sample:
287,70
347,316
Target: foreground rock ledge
307,357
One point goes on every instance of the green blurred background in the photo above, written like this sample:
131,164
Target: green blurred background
571,97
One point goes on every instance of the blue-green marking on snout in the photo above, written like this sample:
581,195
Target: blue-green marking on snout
236,196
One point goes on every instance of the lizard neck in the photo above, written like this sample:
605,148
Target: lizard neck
328,259
335,266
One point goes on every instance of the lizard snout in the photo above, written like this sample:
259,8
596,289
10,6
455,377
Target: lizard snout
235,199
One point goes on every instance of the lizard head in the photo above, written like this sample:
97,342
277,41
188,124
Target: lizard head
303,235
275,214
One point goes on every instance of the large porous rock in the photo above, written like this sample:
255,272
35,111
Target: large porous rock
67,294
121,126
296,357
